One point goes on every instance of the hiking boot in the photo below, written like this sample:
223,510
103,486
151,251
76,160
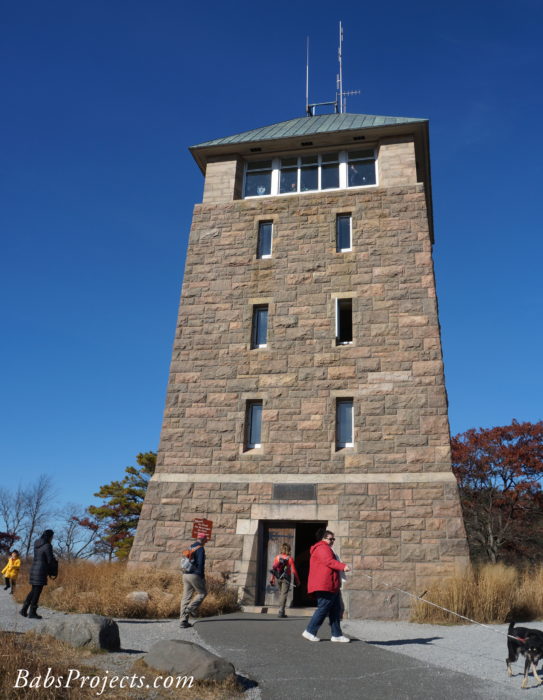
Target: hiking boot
23,612
311,637
185,624
343,639
34,615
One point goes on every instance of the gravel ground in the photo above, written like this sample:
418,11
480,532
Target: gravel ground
137,637
470,649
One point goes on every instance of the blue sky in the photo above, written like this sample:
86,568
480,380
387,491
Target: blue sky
100,103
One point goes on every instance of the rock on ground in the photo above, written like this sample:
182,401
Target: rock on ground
188,659
139,597
94,631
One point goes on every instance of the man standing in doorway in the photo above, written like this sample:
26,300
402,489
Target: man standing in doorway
194,582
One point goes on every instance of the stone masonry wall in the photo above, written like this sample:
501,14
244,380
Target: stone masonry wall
223,180
397,162
391,498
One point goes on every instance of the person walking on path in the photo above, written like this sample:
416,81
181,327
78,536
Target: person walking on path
194,582
324,581
11,571
44,564
284,571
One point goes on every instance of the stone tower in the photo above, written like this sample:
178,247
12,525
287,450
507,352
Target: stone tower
306,385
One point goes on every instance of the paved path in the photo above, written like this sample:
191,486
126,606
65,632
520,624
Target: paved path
386,660
273,652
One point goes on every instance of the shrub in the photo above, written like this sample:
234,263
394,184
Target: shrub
490,593
101,588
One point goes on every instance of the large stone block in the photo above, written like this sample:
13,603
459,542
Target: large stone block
90,631
174,656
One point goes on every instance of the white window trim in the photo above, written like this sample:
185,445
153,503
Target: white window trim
341,445
345,250
258,346
338,341
343,177
251,445
270,254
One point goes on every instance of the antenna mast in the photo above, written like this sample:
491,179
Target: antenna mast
307,76
339,85
340,103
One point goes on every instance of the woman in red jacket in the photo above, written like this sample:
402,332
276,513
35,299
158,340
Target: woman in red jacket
324,581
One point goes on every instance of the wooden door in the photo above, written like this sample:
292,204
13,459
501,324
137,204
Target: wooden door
274,537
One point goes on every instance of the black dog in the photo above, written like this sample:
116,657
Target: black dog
529,643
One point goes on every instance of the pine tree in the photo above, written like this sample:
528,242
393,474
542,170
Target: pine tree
122,507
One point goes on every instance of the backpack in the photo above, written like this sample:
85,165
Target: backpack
280,568
187,556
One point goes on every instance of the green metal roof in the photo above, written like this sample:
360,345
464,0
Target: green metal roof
307,126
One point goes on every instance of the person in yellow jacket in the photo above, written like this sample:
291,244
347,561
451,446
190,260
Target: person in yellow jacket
11,571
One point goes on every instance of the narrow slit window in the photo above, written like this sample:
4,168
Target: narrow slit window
344,423
344,321
259,337
254,425
265,233
344,241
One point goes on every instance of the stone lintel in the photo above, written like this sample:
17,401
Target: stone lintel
279,478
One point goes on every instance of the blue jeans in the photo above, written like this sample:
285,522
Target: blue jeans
328,604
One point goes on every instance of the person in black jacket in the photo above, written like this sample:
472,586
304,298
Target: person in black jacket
43,565
194,581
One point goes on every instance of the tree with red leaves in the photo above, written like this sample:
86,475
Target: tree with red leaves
499,473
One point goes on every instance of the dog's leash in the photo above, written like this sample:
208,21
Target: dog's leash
452,612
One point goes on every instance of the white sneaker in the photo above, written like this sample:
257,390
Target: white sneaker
343,638
311,637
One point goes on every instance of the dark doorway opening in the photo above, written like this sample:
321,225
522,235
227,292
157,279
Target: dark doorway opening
301,537
305,539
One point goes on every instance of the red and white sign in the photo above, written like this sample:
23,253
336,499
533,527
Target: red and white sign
202,525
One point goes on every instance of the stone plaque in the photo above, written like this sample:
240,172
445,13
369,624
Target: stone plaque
295,492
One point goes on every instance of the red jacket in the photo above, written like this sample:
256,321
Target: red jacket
324,569
291,568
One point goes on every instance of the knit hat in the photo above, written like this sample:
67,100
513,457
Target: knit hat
200,535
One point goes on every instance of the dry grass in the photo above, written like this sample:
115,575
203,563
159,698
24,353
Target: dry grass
37,654
491,593
101,588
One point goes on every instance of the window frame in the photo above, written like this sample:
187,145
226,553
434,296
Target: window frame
345,215
342,162
266,169
339,301
259,255
340,444
255,326
249,423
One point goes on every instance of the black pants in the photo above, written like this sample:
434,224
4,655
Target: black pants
33,597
